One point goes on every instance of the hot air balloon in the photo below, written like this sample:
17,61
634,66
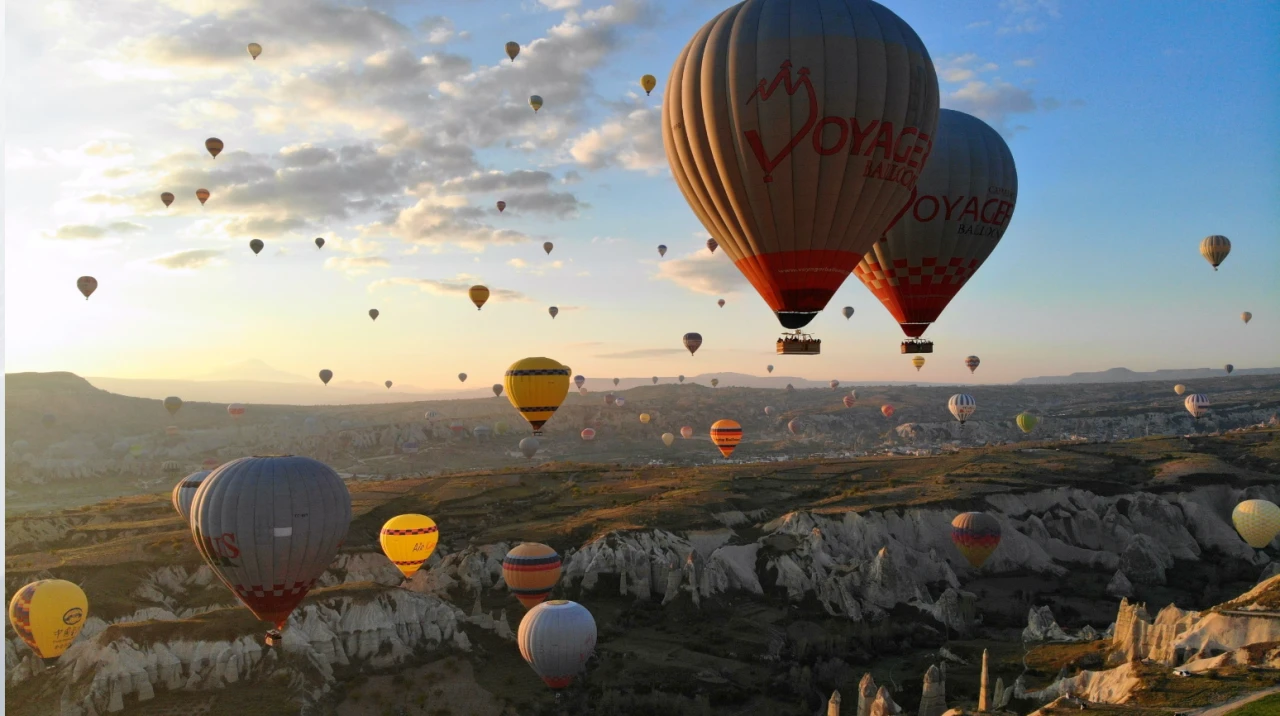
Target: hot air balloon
173,404
536,102
268,527
48,615
557,638
373,313
1179,388
668,439
478,294
648,82
768,410
319,243
720,303
167,198
886,410
1214,249
87,285
918,362
529,446
726,434
962,406
1257,521
686,432
620,401
655,380
848,401
960,209
790,388
853,394
588,434
325,376
712,244
185,491
214,145
715,382
583,391
1246,317
235,410
848,312
578,380
408,541
388,384
536,387
797,185
610,399
834,384
1228,368
1197,404
513,49
692,341
256,245
254,50
1027,422
502,206
202,195
971,363
170,466
547,246
769,368
794,426
531,571
680,378
616,381
645,418
976,535
462,377
662,249
553,311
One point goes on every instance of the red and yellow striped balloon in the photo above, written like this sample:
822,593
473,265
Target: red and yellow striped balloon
726,434
976,535
531,571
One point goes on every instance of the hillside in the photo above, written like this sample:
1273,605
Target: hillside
1124,375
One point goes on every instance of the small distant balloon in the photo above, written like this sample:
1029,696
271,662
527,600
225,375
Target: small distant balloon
848,401
214,145
720,303
173,404
553,311
648,82
529,446
918,362
834,384
547,246
1027,422
769,368
668,438
712,245
497,389
578,380
1179,388
726,435
1257,521
1228,368
536,102
794,426
373,313
655,380
662,249
848,312
645,418
202,195
462,377
254,50
962,406
1246,317
235,410
167,198
502,206
886,410
692,341
686,432
513,49
325,376
319,243
588,434
388,384
976,536
715,382
972,363
256,245
87,285
616,381
1197,404
478,294
768,410
680,378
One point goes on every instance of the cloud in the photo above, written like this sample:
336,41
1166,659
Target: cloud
1027,16
523,191
642,353
703,272
93,232
458,286
190,259
439,29
963,68
992,101
1025,62
631,140
355,265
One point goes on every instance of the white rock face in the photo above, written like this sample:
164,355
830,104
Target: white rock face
1041,626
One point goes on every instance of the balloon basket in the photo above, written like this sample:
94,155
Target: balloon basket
917,345
274,639
799,344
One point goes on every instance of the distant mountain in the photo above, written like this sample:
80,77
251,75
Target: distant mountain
1124,375
255,370
741,380
279,393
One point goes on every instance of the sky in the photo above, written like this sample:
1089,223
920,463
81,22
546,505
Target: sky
391,128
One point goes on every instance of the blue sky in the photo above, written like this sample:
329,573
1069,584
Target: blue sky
1137,127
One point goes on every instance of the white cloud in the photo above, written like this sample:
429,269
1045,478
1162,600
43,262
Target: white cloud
1024,62
355,265
93,231
631,140
992,101
187,260
703,272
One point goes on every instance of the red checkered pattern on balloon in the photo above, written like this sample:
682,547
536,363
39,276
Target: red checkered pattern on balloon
956,271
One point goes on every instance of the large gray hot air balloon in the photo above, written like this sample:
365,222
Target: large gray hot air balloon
269,527
796,130
960,209
557,638
529,446
185,491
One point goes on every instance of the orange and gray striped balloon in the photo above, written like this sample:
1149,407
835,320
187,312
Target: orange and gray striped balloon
531,571
1214,249
726,434
976,535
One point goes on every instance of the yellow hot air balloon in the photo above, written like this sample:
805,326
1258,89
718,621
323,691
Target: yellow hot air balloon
668,438
202,195
726,434
536,102
214,146
1179,388
254,50
48,615
478,294
1027,422
408,541
648,82
1246,317
918,362
645,418
1257,521
536,387
513,49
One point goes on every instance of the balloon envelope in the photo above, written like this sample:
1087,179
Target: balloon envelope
497,389
886,410
502,206
796,130
918,362
1197,404
1257,521
668,439
254,50
1246,317
173,404
48,615
167,198
557,638
388,384
531,571
547,246
326,375
588,434
185,491
319,242
648,82
256,245
87,285
214,146
202,195
408,541
269,527
1214,249
513,49
662,249
529,446
793,426
960,209
972,363
726,434
462,377
847,311
1228,368
374,313
235,410
692,341
1027,422
536,102
478,294
976,535
686,432
645,418
962,406
769,368
578,380
1179,389
536,387
554,311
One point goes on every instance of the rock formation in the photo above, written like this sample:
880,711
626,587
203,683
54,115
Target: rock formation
833,704
983,703
866,694
933,697
884,704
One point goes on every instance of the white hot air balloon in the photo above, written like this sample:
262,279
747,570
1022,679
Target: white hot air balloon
962,406
1197,404
557,637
